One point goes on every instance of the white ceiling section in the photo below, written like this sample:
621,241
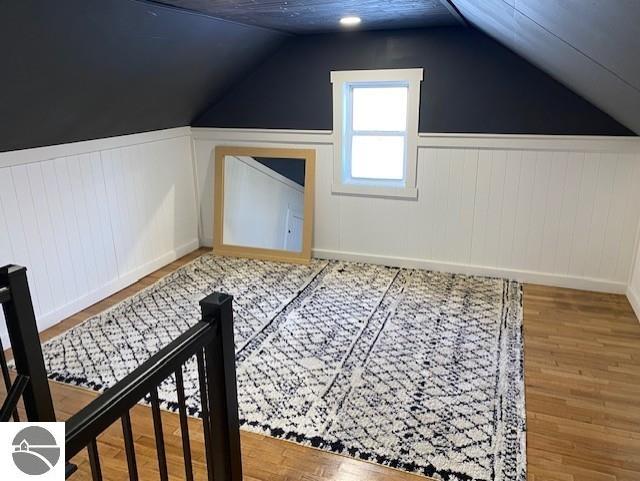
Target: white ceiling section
592,46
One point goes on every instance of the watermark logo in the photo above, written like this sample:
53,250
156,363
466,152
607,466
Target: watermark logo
32,451
35,450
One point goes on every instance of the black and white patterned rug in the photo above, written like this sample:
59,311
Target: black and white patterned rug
417,370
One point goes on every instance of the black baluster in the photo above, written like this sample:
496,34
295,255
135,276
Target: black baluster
204,406
157,428
184,426
129,447
94,460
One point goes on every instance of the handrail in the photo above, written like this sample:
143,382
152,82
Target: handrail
211,342
101,413
5,295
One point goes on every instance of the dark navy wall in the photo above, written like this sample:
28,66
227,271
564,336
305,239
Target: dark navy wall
471,84
83,69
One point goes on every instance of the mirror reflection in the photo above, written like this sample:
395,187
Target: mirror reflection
264,202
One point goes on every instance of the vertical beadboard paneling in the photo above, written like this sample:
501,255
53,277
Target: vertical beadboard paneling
497,188
537,215
6,254
28,218
467,207
509,212
327,206
453,224
69,218
45,229
630,239
70,275
524,210
579,254
633,292
601,216
562,216
92,222
118,215
568,210
165,198
79,207
14,233
553,211
94,234
481,214
442,173
422,231
416,231
105,228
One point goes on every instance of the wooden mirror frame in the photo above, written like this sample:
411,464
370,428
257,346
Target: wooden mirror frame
219,247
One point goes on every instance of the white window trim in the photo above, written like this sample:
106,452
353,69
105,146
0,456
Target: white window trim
405,188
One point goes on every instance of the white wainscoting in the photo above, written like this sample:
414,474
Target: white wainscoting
89,218
633,293
554,210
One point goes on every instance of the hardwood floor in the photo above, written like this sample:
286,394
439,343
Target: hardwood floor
582,369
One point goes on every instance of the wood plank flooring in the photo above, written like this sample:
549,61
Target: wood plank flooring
582,369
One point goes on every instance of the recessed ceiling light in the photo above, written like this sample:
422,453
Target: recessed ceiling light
350,21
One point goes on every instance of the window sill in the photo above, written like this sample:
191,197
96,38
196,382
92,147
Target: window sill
407,193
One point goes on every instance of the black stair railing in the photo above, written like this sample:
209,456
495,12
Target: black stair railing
31,383
210,341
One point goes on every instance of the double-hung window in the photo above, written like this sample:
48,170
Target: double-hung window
376,128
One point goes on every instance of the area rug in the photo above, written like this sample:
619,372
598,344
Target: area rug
417,370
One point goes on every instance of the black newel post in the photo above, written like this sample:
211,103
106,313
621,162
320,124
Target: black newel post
221,386
25,343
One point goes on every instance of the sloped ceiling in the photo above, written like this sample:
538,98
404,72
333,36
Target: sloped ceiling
314,16
83,69
592,46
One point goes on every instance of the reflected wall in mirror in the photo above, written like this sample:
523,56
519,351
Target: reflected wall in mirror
264,202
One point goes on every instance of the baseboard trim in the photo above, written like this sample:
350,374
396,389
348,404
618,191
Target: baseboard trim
54,317
136,274
123,281
532,277
634,300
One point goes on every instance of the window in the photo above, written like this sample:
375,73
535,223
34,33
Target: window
376,128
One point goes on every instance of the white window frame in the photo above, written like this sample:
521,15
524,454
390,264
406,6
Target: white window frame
343,83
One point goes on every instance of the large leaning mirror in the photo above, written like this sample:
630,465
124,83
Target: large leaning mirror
263,206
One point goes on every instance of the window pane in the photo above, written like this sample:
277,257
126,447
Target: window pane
380,108
377,157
